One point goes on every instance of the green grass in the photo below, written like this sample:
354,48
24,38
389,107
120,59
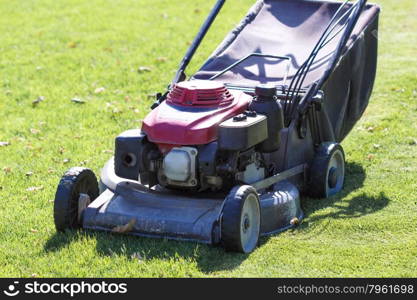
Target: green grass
65,49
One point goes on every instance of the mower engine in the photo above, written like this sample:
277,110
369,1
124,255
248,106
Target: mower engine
203,137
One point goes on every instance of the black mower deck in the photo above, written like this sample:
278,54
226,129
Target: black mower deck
129,207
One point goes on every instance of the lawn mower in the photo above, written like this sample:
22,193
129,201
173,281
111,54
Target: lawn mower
224,155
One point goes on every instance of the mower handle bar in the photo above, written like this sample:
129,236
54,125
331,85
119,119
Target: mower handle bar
358,8
180,75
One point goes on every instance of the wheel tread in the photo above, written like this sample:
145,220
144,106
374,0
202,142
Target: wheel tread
64,202
230,229
318,170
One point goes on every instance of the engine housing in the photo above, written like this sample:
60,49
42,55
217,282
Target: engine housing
192,113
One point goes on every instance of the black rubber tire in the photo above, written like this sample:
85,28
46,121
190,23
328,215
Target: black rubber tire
231,238
75,181
318,186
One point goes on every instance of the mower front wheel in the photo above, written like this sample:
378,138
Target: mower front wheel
77,188
241,222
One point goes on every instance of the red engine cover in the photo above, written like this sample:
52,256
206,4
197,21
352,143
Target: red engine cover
191,114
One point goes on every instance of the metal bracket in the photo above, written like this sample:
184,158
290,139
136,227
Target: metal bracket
309,101
263,184
83,201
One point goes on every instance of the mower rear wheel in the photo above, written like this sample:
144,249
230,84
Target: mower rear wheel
241,222
327,172
77,184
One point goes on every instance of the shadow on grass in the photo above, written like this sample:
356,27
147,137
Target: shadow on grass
211,259
208,258
358,206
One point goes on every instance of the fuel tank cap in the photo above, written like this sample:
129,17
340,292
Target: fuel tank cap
265,91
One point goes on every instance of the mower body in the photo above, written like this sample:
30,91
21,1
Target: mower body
237,122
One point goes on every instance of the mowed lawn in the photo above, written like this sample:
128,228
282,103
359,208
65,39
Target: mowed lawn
113,56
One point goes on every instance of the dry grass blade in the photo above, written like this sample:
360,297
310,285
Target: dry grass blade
125,228
144,69
38,100
78,100
34,188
